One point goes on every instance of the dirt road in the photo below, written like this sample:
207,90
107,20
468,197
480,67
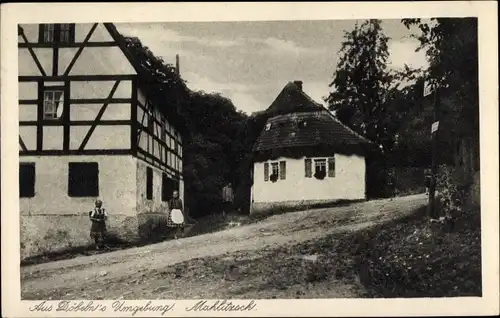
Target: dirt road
151,272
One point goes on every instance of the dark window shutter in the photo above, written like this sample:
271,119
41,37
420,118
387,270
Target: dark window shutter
308,168
149,183
26,180
282,170
41,27
266,171
331,167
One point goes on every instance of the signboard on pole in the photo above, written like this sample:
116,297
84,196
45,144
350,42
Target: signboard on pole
435,127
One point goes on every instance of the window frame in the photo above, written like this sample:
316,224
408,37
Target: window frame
53,102
75,190
320,162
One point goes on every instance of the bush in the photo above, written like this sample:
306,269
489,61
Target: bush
451,196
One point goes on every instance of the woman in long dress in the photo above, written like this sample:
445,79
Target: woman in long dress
176,214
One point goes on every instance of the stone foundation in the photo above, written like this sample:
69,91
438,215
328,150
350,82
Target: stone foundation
268,208
54,233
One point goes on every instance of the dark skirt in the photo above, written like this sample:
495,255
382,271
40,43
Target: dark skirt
98,230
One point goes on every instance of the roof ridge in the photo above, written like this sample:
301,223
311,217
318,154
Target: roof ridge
312,100
119,39
348,128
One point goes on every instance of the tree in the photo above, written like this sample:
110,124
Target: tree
362,82
452,50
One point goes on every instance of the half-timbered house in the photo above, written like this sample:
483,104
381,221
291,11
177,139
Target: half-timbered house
304,156
88,130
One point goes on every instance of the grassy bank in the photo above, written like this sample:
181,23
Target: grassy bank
417,258
409,257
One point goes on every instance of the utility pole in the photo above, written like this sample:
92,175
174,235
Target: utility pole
431,212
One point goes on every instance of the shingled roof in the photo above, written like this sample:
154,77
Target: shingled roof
297,121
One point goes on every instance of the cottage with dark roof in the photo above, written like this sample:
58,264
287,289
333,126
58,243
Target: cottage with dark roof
305,156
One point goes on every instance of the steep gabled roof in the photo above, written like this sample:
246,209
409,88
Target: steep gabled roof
173,113
297,121
292,99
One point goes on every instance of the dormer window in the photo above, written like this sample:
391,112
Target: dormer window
63,33
268,126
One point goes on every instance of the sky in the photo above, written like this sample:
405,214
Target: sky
251,62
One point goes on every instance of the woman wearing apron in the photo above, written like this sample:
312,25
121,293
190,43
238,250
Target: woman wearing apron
176,215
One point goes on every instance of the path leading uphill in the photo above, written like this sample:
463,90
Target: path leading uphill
150,271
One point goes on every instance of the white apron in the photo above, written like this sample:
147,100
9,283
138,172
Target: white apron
176,216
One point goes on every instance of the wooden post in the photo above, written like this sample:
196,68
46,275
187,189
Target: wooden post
431,211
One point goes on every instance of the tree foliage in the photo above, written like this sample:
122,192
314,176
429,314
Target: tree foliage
215,146
451,47
362,82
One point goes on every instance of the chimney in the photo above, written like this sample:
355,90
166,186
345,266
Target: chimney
177,70
299,84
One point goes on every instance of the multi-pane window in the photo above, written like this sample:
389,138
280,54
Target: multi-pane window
52,104
65,33
274,168
48,33
83,179
57,33
320,166
26,180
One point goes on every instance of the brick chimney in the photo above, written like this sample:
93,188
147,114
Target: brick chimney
177,70
299,84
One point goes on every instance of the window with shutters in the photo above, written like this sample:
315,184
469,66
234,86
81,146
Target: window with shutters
83,179
63,33
266,171
308,168
322,166
282,170
149,183
26,180
331,167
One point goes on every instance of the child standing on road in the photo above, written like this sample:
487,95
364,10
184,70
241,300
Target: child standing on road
98,219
